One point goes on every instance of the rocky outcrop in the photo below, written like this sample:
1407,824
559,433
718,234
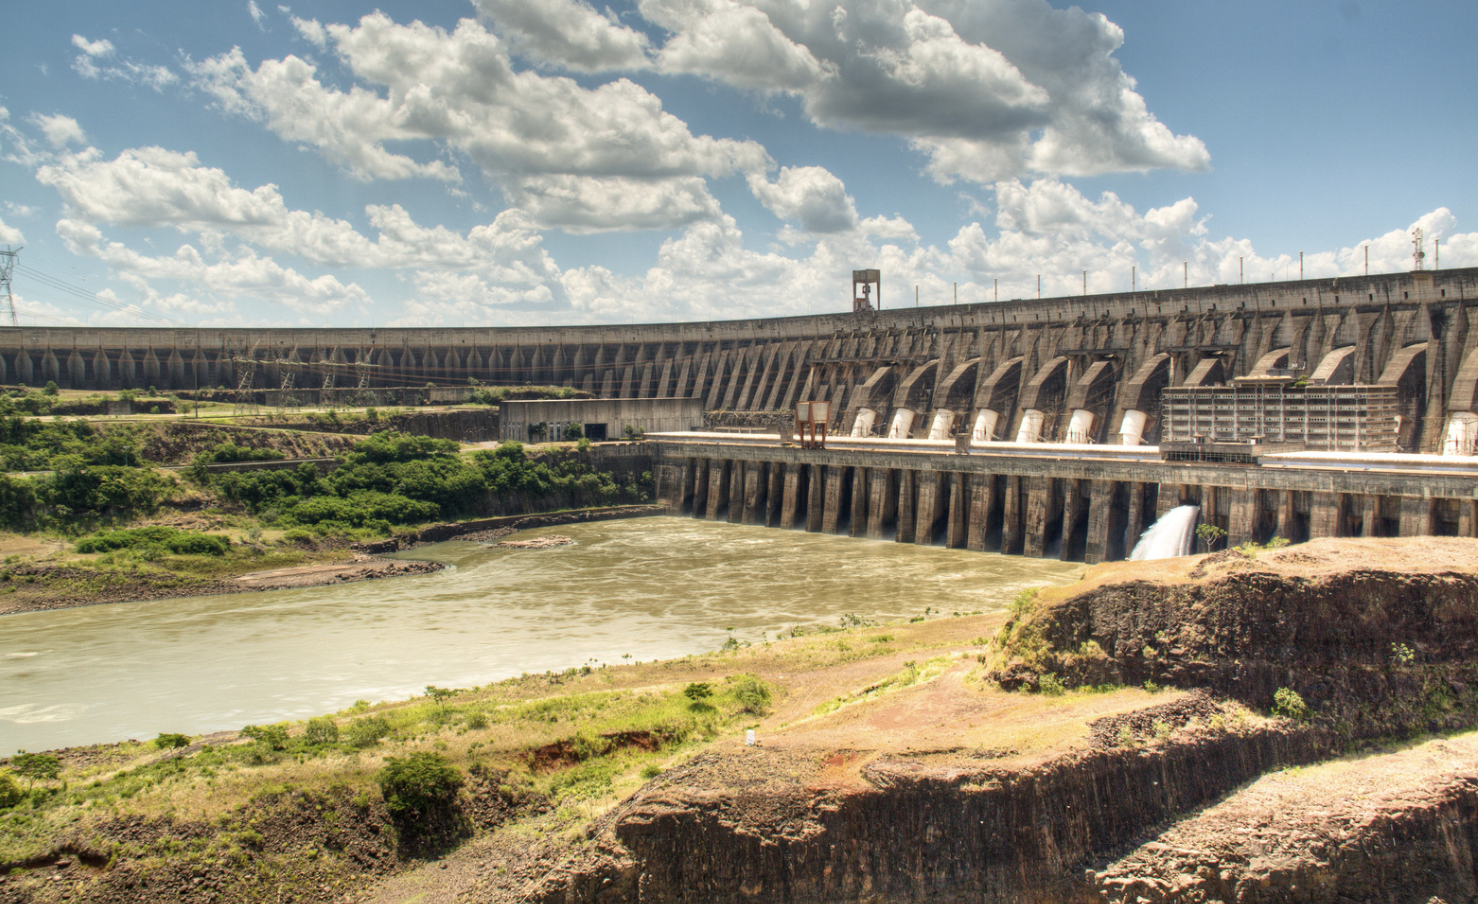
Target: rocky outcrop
1155,805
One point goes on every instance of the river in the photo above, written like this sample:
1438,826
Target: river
642,589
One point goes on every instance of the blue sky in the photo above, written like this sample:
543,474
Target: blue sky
502,162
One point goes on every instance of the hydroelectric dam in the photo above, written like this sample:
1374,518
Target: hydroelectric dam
1047,427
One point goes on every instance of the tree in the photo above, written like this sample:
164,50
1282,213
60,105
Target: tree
36,766
698,692
440,694
1209,534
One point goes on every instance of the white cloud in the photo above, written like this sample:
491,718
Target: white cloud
741,46
59,130
9,235
567,33
243,276
256,13
810,194
583,204
99,48
531,134
312,31
986,90
87,64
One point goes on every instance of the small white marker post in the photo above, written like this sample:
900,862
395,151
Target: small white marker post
749,737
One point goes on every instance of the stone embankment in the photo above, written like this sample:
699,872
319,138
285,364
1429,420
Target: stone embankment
1186,795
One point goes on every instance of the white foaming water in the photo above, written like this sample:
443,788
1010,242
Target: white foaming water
1169,537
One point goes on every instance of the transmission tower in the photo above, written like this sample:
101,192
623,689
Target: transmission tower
7,267
245,377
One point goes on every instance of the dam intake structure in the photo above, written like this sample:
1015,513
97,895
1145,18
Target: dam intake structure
1270,406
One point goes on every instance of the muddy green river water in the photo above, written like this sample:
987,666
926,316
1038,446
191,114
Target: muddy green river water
642,589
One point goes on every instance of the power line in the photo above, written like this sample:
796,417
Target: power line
83,294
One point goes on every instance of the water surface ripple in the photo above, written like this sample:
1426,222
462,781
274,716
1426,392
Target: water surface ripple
646,588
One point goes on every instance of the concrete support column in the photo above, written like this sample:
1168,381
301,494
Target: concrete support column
882,488
1370,517
736,491
1285,515
1324,520
931,508
791,500
1467,518
1416,516
1011,518
754,493
982,503
718,488
907,508
836,485
670,486
1243,514
1169,498
957,535
775,495
1072,511
861,502
700,487
1102,513
690,479
1134,525
815,498
1038,512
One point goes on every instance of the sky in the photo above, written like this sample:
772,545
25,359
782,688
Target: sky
537,162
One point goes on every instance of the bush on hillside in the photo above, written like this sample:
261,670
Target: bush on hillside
181,542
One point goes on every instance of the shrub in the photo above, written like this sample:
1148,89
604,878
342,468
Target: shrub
1051,685
182,542
477,721
420,785
365,732
698,692
168,740
1288,704
273,737
10,791
753,694
321,731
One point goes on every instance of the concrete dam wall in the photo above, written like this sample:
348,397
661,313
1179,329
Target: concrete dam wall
1085,368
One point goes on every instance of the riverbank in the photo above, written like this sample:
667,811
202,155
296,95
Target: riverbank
890,763
43,583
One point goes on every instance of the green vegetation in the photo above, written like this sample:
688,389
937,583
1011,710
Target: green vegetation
393,478
180,542
36,767
419,785
10,791
1288,704
1209,534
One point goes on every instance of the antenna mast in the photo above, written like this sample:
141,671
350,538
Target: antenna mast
1418,254
7,267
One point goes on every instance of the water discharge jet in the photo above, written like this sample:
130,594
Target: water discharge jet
1169,537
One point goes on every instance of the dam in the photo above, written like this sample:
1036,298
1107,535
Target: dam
1046,427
